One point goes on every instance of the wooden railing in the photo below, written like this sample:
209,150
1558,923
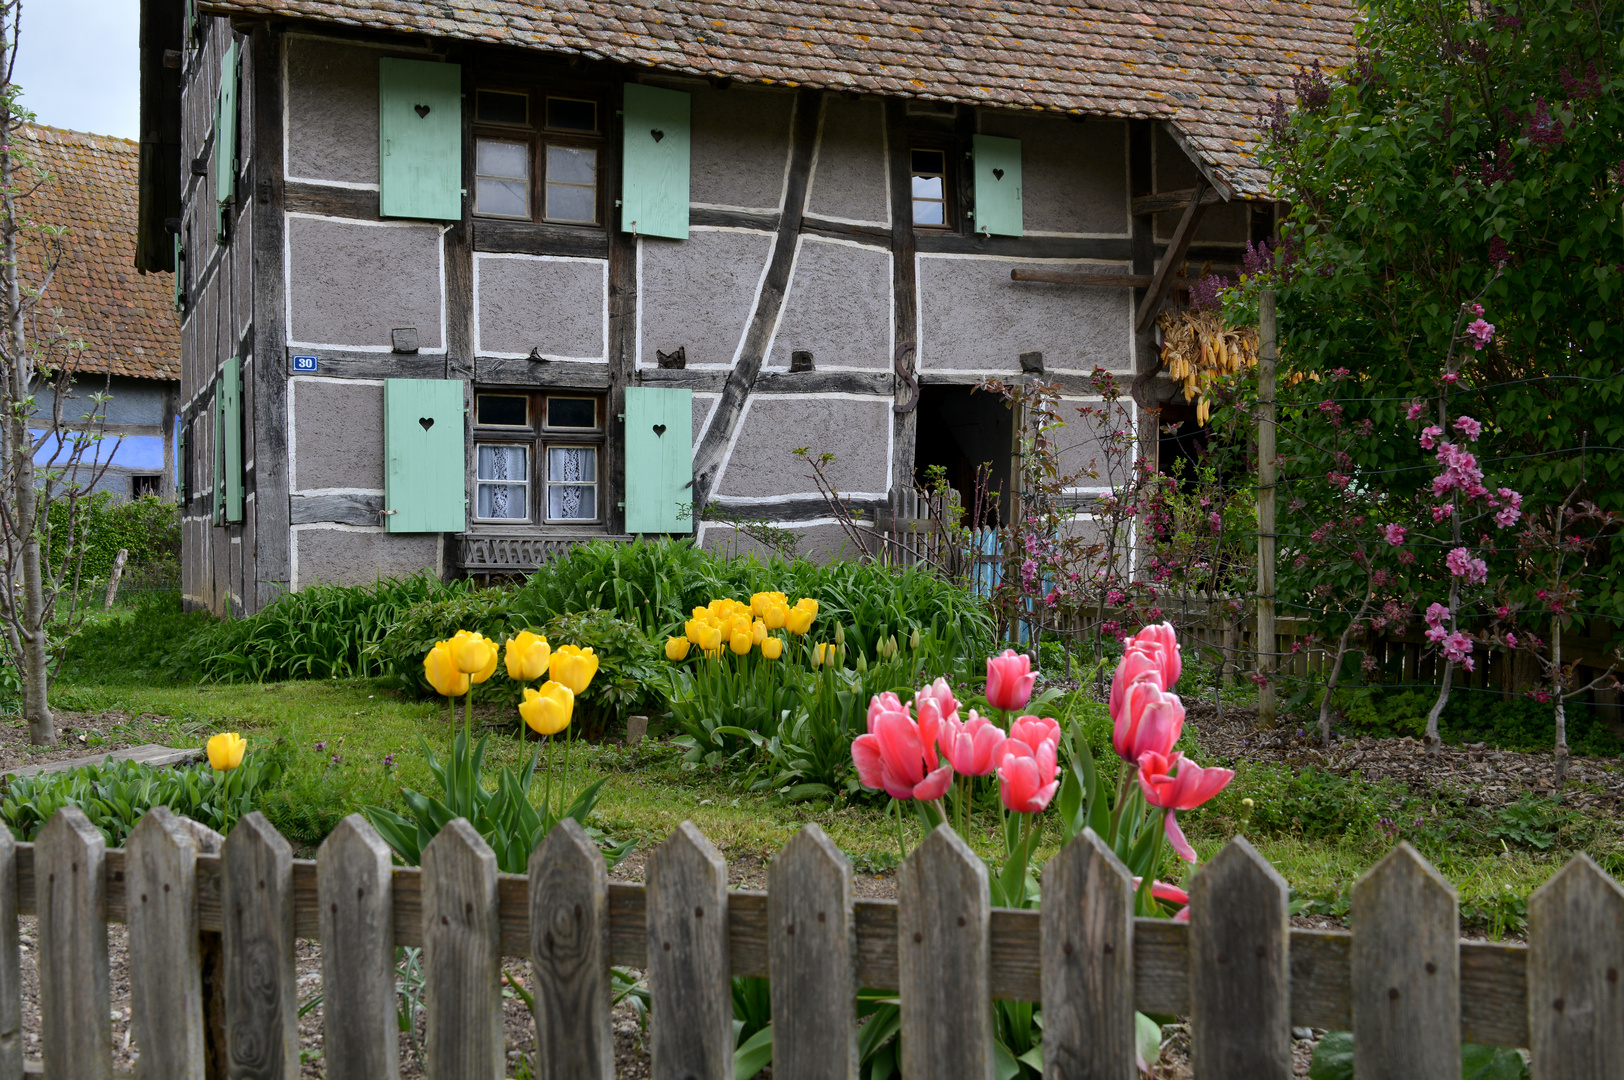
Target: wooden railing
1402,981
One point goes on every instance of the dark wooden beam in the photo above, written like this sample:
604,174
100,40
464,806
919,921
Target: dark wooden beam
1123,281
1171,200
302,198
1029,247
527,238
904,299
1172,260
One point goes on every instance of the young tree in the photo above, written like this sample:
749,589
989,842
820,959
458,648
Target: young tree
50,460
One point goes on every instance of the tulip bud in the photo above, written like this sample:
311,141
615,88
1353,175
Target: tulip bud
913,640
772,648
840,634
758,632
862,664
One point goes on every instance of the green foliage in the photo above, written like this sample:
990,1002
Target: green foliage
148,528
1505,723
318,632
1333,1060
115,795
139,643
1313,804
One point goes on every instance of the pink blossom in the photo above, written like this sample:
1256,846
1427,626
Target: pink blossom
1511,639
1436,634
1457,647
1417,410
1480,333
1467,427
974,747
1338,481
1429,436
1477,309
1442,513
1462,565
1406,557
1436,614
1450,379
1394,534
1507,518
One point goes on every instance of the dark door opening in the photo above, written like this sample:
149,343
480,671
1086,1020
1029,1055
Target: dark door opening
960,429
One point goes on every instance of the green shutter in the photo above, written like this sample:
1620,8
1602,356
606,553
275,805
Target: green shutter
998,185
654,165
231,436
217,499
424,449
659,460
179,263
225,138
420,139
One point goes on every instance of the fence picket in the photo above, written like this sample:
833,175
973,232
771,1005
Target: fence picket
262,1007
1575,968
812,960
76,1033
462,957
944,962
11,981
1087,955
166,980
355,904
211,957
569,955
1240,979
691,1029
1405,965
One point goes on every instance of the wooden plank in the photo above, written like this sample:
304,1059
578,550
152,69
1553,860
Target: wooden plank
165,966
532,238
76,1034
352,364
1164,201
354,893
1087,926
365,510
11,983
764,220
1405,970
357,205
1320,962
1129,281
877,235
1240,977
462,957
943,960
621,347
1172,260
211,954
812,960
1082,249
691,1001
262,1006
1576,957
1493,993
146,754
569,954
904,297
562,374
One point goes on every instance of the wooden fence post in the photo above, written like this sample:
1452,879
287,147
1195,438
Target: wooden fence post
691,1029
462,957
1405,965
70,880
256,909
355,910
166,979
1240,975
1266,478
11,982
944,962
569,956
1576,974
812,960
1087,957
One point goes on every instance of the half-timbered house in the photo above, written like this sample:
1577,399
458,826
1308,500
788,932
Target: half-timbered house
468,281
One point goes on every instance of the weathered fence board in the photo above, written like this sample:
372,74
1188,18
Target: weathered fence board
690,999
1087,943
812,960
944,960
569,950
11,982
360,1033
262,1007
166,983
462,957
76,1031
1575,989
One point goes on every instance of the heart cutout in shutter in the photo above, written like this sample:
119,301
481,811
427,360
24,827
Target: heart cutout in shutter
659,429
426,421
998,174
422,110
657,133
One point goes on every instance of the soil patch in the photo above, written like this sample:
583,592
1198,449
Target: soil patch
77,734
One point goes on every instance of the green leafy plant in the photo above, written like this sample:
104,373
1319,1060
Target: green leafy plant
1333,1060
116,794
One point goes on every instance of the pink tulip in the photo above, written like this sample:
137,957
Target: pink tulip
1009,680
1029,776
974,747
899,756
886,702
1136,665
1035,731
1161,890
1192,786
1163,640
940,696
1147,719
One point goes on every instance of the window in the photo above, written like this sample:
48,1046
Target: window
929,178
145,485
537,157
537,457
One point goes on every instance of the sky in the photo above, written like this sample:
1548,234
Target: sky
78,64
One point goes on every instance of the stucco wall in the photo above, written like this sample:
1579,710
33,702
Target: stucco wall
557,304
856,429
351,555
838,306
1074,175
332,110
740,146
698,293
849,172
335,432
352,282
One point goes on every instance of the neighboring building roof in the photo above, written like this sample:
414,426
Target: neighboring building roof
1209,66
125,318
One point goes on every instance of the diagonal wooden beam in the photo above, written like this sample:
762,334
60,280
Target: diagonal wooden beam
1173,259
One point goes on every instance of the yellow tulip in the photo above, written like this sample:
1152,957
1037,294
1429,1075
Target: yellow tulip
676,648
712,654
441,671
226,750
798,620
772,648
573,667
741,642
774,615
759,601
758,631
807,604
823,653
473,653
549,709
526,656
708,637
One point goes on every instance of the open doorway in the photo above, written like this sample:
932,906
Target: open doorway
960,429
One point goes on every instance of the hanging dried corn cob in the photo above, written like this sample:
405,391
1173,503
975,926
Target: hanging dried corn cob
1198,350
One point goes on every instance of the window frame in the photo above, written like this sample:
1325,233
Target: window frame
539,438
539,137
949,186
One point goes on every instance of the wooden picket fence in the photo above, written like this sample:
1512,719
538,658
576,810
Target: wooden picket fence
1402,981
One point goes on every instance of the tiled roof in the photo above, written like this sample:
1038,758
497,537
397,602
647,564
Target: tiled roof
1209,66
125,318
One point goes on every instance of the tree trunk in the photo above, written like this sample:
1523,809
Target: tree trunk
1434,740
1561,706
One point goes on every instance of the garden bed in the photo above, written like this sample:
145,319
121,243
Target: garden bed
78,734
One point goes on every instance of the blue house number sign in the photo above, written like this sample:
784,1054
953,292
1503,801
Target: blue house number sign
304,363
